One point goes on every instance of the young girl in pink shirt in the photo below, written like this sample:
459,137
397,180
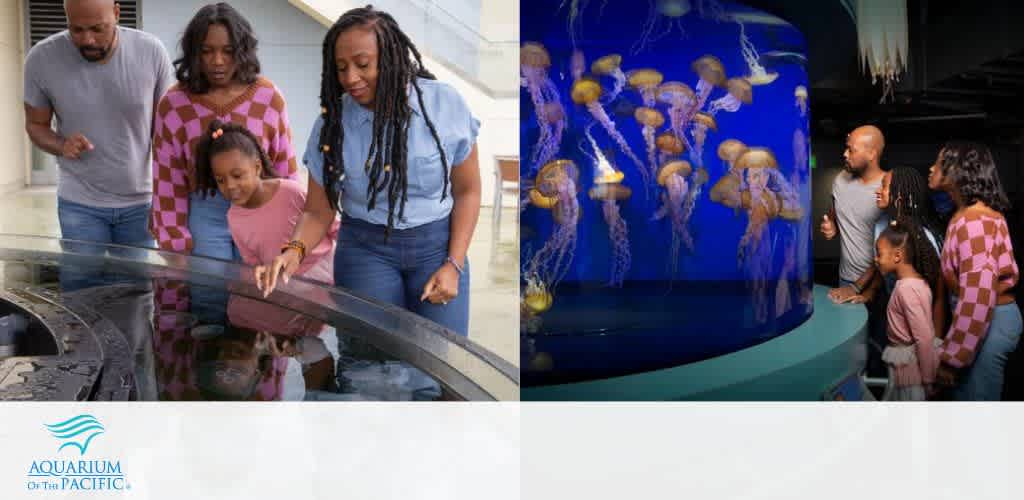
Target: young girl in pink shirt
264,209
903,250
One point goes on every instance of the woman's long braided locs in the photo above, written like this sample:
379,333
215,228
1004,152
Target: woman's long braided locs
386,165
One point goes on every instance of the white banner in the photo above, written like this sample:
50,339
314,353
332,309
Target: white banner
815,451
719,451
278,451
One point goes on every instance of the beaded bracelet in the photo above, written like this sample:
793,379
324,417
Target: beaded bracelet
297,245
451,260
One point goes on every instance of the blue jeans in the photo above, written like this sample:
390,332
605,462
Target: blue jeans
208,223
396,271
983,380
118,226
211,237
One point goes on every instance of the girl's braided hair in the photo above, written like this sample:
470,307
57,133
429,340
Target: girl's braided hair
232,138
907,235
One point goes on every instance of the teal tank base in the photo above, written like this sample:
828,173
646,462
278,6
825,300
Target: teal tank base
820,359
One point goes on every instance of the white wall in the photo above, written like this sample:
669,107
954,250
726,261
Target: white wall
499,21
13,139
499,118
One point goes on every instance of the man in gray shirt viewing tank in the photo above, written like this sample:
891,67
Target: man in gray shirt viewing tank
854,211
853,216
102,82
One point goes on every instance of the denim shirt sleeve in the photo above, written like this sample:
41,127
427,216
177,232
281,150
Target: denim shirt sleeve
312,158
465,126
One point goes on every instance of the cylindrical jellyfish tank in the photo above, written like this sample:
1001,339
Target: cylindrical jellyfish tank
665,185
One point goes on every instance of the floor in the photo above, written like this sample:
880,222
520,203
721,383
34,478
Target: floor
494,301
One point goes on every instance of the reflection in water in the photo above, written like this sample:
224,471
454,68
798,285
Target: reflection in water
177,351
265,352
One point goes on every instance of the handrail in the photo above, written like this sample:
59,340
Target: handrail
468,368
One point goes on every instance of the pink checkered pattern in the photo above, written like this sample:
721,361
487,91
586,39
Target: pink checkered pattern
174,348
977,259
181,118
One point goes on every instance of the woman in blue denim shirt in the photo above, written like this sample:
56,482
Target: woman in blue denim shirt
395,151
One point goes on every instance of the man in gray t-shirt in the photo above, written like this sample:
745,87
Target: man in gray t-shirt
102,82
854,211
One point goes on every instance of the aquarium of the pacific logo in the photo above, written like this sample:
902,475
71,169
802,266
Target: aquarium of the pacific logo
69,469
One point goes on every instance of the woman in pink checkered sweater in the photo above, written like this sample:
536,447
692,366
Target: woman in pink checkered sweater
979,267
218,78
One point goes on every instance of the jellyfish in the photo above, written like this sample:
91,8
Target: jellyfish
553,114
529,323
574,13
701,123
651,119
681,100
645,82
587,91
711,74
800,170
783,298
697,181
765,194
727,190
801,99
754,250
758,75
578,64
555,189
534,63
669,12
536,297
608,189
608,194
672,176
729,151
799,152
739,93
610,65
576,7
712,9
604,172
756,262
669,146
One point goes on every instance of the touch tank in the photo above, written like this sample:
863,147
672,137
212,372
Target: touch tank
82,321
665,184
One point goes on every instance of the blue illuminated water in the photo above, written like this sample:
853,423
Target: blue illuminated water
710,305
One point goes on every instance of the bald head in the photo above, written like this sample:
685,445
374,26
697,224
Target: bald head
870,136
80,6
864,148
93,26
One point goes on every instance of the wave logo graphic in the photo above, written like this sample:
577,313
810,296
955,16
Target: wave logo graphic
76,432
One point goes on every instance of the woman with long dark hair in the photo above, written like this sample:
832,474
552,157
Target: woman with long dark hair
395,150
979,267
904,198
219,78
